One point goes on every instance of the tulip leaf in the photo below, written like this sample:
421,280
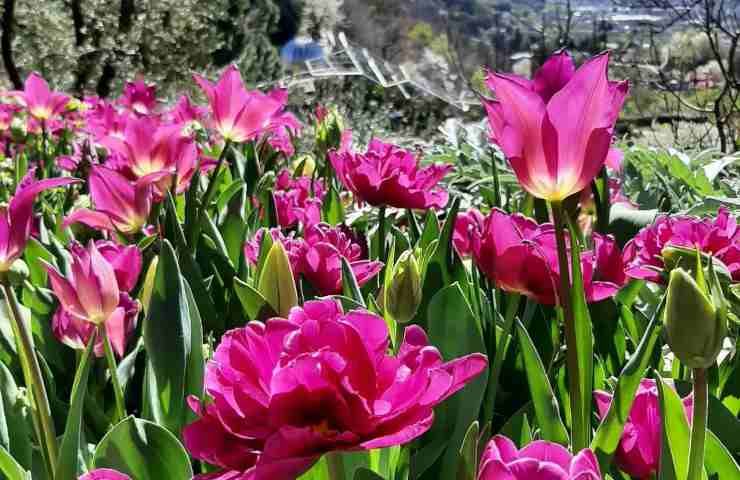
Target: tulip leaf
228,193
543,397
144,451
276,283
10,468
365,474
17,434
66,467
350,287
674,453
253,303
610,430
718,461
431,229
332,210
173,340
456,331
468,462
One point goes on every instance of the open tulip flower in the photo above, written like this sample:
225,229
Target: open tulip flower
104,474
520,255
41,102
16,220
540,460
138,97
556,130
386,175
286,392
298,200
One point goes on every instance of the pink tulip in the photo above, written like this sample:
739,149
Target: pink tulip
317,257
519,255
39,100
7,112
388,175
467,225
239,115
95,292
288,391
540,460
104,474
717,236
186,113
120,205
16,220
104,120
139,97
297,200
638,452
556,130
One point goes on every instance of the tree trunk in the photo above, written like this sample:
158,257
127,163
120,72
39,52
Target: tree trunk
7,44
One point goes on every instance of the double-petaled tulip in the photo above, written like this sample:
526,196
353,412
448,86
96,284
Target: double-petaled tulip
286,392
638,452
139,97
317,257
719,237
240,115
16,219
104,474
519,255
539,460
389,175
120,205
95,293
297,200
41,103
556,130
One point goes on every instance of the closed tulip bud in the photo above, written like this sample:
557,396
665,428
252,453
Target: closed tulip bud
695,318
404,292
276,282
329,130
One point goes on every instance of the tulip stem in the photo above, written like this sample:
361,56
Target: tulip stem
381,233
41,409
113,370
211,190
698,425
336,466
579,417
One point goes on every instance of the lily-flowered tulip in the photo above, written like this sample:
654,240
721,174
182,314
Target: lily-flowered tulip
297,200
719,237
638,452
556,130
104,474
41,103
96,291
520,255
120,205
239,115
288,391
389,175
139,97
318,256
540,460
16,219
185,112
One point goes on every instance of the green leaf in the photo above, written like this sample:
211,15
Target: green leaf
365,474
15,419
350,287
674,455
228,193
66,467
332,209
252,301
144,451
10,469
609,431
431,229
718,461
456,331
34,254
468,466
543,397
172,344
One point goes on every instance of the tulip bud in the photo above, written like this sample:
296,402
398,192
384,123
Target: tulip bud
276,283
18,272
404,293
329,131
674,256
306,164
695,319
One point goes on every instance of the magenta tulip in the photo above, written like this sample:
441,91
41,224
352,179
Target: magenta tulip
556,130
638,452
186,112
519,255
239,115
139,97
288,391
719,237
104,474
16,219
389,175
297,200
120,205
540,460
41,103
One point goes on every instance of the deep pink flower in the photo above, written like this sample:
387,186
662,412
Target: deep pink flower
41,103
318,256
104,120
104,474
7,112
16,219
120,205
286,392
185,112
718,236
467,224
139,97
240,115
519,255
638,453
540,460
297,200
556,130
389,175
